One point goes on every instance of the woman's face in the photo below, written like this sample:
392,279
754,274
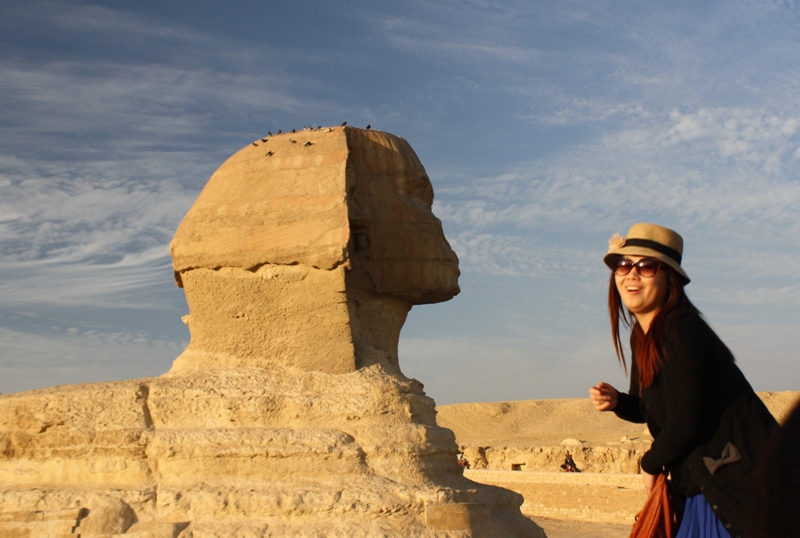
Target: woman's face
643,296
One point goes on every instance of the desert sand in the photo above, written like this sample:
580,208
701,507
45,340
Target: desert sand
524,425
529,423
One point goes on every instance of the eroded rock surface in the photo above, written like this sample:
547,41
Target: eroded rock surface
287,414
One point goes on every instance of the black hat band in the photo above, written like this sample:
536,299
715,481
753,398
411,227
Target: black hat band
658,247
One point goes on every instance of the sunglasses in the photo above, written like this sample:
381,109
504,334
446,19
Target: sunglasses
646,267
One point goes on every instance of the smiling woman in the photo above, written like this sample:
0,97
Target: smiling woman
684,384
641,286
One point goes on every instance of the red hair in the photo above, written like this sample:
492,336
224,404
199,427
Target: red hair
646,352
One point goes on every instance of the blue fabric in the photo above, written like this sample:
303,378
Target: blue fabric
699,520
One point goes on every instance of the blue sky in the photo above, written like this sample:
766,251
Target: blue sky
545,127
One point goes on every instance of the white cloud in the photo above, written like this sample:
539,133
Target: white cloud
45,359
134,280
745,135
71,219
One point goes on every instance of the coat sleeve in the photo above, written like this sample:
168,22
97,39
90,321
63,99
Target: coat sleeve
628,406
681,373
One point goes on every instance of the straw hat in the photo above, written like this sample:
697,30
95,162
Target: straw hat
649,240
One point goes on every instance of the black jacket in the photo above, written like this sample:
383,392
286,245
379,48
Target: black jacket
707,423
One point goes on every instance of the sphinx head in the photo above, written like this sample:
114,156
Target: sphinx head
291,234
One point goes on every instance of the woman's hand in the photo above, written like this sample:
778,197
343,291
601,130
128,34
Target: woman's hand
649,481
604,397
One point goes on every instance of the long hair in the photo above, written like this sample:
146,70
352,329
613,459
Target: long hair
646,352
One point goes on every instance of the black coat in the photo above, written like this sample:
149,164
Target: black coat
702,412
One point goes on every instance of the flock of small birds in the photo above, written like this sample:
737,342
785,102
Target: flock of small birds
293,141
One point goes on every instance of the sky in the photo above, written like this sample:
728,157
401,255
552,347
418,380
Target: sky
545,127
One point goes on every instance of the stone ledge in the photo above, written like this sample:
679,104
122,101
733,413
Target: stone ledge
619,480
595,497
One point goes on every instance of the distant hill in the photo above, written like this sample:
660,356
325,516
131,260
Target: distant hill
548,422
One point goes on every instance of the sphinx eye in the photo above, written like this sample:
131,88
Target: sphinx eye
424,190
361,241
360,236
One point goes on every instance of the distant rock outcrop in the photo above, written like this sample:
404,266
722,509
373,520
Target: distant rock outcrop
287,414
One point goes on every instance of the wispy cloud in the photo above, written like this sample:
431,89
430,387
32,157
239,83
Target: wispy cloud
83,21
713,166
28,360
95,215
760,138
132,280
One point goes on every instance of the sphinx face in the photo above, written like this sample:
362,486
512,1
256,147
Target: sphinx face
331,197
395,237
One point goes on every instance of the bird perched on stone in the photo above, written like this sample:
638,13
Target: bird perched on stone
343,124
369,126
269,133
279,131
309,143
264,139
255,144
293,131
270,153
293,141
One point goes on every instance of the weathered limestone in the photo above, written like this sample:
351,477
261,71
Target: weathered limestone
323,244
287,414
622,458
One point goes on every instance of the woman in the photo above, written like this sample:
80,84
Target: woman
707,423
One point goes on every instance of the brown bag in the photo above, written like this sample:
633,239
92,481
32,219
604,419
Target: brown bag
658,518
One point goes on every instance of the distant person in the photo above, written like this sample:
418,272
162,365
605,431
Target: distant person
569,464
462,461
707,423
775,509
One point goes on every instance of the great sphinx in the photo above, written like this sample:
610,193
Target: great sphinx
288,413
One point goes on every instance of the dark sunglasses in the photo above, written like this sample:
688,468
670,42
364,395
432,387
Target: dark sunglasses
646,267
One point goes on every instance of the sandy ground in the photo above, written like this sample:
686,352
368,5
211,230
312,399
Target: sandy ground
528,423
549,422
533,423
556,528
